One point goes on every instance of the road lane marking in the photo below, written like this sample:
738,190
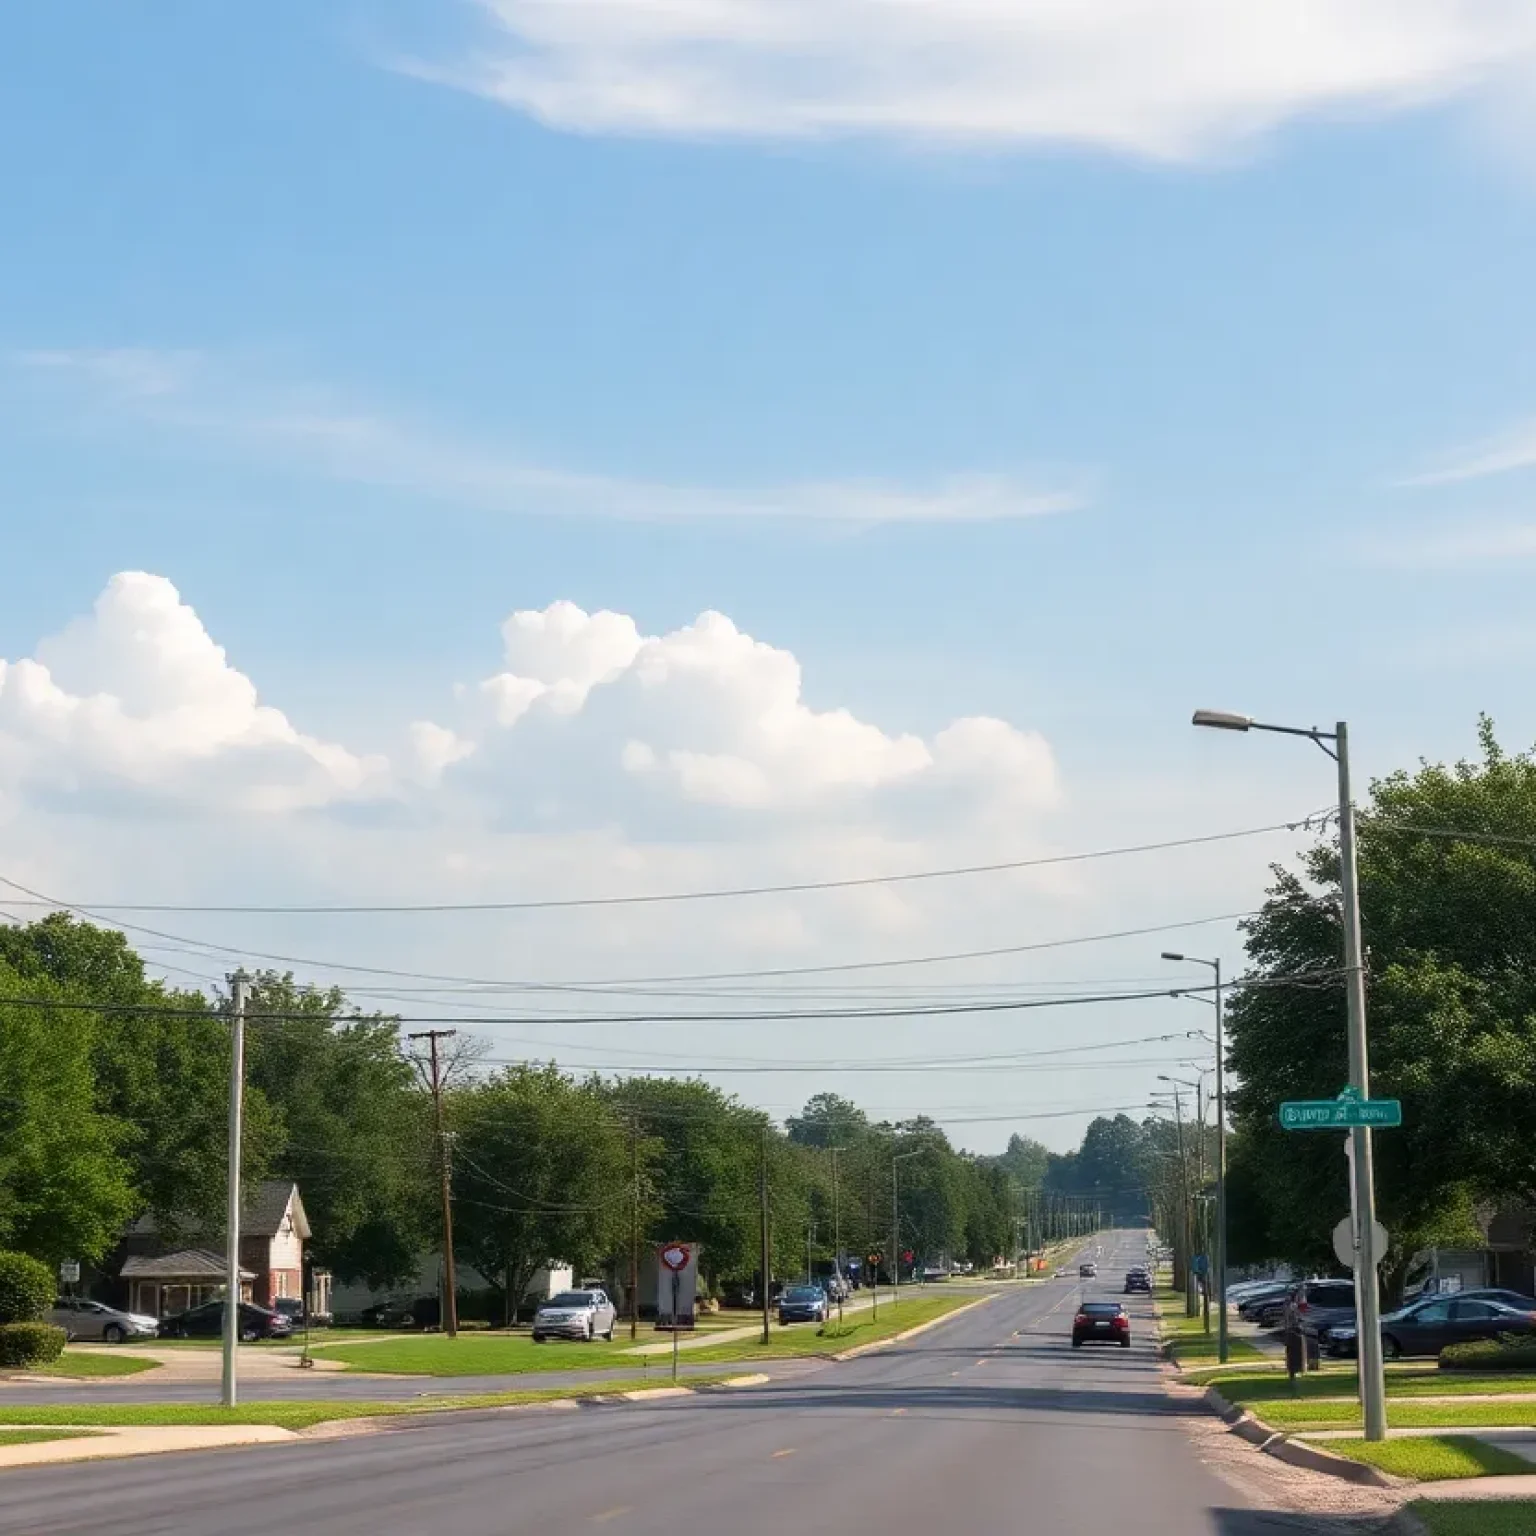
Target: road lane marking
611,1514
789,1451
896,1413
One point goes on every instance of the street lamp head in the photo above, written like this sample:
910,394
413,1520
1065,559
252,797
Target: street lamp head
1169,955
1223,720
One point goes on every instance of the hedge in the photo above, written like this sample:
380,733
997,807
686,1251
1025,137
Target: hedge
26,1288
24,1345
1507,1354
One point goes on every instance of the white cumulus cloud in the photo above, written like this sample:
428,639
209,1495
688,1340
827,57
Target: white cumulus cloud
137,694
1164,78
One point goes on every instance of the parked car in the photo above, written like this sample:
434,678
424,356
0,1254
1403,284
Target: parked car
575,1315
1258,1301
1101,1322
402,1312
803,1304
1320,1304
297,1314
1516,1299
1426,1327
1138,1280
82,1319
207,1322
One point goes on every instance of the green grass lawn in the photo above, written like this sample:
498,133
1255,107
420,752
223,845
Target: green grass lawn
1433,1459
1186,1336
1340,1381
1402,1415
300,1415
94,1363
860,1328
39,1436
495,1354
1489,1517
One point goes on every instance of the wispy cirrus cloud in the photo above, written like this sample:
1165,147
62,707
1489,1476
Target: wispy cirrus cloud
1166,79
1498,455
317,431
1470,544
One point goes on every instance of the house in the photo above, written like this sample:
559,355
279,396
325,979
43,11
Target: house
161,1278
1507,1259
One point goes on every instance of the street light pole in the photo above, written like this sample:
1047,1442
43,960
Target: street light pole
1373,1387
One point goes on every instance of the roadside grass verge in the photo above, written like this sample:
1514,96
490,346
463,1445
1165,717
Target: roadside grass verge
93,1364
299,1415
500,1354
1403,1415
1486,1517
41,1436
796,1342
1412,1381
1434,1459
1186,1336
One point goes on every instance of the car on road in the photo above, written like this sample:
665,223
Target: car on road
83,1319
1101,1322
575,1315
1087,1271
1426,1327
803,1304
1138,1280
207,1322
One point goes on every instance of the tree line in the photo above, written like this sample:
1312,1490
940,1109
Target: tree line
114,1098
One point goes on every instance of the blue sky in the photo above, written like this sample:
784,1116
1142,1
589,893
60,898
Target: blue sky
365,325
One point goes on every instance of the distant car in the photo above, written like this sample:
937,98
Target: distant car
1101,1322
933,1276
575,1315
401,1312
803,1304
1426,1327
207,1322
1256,1302
1321,1304
1138,1280
1087,1271
82,1319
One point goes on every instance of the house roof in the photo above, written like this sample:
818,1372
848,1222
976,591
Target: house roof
185,1264
265,1207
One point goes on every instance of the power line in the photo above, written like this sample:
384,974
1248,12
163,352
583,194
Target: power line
548,904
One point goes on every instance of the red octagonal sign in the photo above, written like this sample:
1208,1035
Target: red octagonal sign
675,1256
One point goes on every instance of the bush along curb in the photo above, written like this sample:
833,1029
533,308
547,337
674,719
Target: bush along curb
1295,1453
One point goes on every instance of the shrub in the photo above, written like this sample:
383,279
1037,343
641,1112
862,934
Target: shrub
26,1288
1507,1354
23,1345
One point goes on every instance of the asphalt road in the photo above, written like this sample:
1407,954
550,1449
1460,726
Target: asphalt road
990,1423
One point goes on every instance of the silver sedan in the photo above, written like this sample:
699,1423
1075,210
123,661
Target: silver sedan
575,1315
82,1319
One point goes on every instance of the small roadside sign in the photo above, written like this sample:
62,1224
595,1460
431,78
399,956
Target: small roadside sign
1341,1114
675,1256
69,1272
1344,1242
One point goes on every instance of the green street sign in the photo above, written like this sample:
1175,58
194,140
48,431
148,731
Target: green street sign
1340,1114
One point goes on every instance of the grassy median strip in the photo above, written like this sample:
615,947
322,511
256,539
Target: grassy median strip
1433,1458
502,1354
303,1415
1402,1415
1486,1517
1336,1381
89,1364
41,1436
860,1329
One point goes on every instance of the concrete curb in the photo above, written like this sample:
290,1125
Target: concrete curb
912,1333
1295,1453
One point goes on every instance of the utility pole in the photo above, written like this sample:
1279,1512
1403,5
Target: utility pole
634,1231
1190,1305
450,1297
1221,1182
239,985
838,1266
763,1192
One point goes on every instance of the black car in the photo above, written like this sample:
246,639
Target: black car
423,1312
803,1304
207,1322
1426,1327
1101,1322
1138,1280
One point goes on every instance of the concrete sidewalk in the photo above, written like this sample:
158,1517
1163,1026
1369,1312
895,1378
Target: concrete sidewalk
139,1441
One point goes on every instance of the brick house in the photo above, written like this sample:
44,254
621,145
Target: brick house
162,1279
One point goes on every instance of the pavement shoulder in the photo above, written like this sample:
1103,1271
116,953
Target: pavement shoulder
102,1444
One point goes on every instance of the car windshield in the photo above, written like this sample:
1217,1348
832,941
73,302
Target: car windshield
802,1293
572,1299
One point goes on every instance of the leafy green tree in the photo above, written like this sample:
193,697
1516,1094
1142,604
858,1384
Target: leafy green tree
542,1171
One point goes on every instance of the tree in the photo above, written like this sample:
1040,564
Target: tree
541,1167
1448,904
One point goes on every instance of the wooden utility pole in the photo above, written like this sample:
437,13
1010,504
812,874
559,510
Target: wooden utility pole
450,1297
634,1231
763,1192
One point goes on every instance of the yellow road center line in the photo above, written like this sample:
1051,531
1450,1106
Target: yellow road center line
610,1514
788,1452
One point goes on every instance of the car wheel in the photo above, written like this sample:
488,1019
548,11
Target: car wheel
608,1337
538,1338
1390,1347
1125,1343
589,1333
112,1334
1077,1343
